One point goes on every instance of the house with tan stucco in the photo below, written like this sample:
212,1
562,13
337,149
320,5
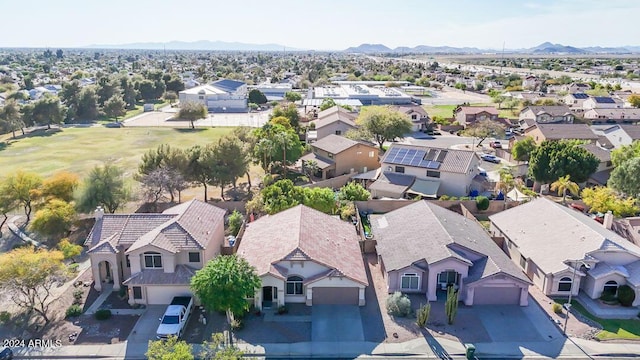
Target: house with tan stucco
154,255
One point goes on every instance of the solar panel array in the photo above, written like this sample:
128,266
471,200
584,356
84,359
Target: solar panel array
429,159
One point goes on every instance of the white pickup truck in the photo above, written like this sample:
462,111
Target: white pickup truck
175,318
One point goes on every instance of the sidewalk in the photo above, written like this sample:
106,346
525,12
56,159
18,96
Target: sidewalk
572,348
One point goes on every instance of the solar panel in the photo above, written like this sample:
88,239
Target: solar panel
433,165
430,155
416,161
442,155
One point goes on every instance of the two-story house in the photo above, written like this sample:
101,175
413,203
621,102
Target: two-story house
336,155
613,116
553,132
469,115
605,166
305,256
154,255
575,100
425,171
335,120
417,115
531,115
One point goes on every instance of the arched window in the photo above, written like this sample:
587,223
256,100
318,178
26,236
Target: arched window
152,260
611,287
564,284
294,285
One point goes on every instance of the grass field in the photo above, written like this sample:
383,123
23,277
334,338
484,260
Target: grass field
446,111
79,149
611,328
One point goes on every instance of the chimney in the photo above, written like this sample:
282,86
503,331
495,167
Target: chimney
99,213
608,220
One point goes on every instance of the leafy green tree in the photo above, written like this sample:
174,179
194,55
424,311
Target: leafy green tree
281,195
169,349
634,100
235,222
215,349
353,192
257,97
54,219
69,250
225,283
170,96
7,203
147,90
115,107
624,153
174,84
564,184
554,159
290,111
107,89
87,104
192,111
603,199
48,111
200,167
327,103
104,187
173,163
625,178
274,141
484,129
21,188
383,124
522,149
30,276
292,96
319,198
230,161
11,117
129,92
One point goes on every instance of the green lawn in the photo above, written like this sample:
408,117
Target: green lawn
443,111
612,328
79,149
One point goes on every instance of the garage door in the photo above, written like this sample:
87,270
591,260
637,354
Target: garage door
496,295
162,295
335,296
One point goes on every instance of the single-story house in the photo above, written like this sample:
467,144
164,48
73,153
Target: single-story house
550,241
424,248
305,256
154,255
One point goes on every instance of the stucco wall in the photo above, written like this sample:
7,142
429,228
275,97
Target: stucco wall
331,129
394,279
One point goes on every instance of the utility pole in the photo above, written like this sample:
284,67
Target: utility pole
502,58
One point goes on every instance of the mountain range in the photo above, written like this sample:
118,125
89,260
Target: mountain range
206,45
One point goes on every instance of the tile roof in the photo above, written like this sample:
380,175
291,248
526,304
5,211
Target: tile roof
567,131
181,276
634,273
126,227
602,154
333,118
425,231
549,233
472,110
553,110
303,232
322,162
632,130
334,144
452,160
337,110
627,114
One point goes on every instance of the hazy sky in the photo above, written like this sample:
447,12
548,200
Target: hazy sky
322,24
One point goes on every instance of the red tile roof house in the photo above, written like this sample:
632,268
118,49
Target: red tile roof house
305,256
423,248
155,254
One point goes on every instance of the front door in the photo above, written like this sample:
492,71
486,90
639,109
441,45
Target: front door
267,297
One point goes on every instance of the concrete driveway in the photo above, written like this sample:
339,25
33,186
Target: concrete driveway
509,323
336,323
145,328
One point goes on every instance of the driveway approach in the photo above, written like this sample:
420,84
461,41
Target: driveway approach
333,323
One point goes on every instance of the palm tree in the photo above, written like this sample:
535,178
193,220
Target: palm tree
564,184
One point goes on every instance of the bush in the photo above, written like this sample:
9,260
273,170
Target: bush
557,308
626,295
444,197
399,305
422,315
482,203
73,268
235,222
73,311
464,198
608,297
237,324
282,310
5,317
103,314
77,296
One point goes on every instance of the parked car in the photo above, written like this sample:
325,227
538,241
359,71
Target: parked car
175,317
482,172
496,144
6,354
490,158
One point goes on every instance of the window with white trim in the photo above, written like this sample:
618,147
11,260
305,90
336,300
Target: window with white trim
410,282
565,284
152,260
294,285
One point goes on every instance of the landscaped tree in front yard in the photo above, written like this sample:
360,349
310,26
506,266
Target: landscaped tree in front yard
169,349
215,349
192,111
225,283
29,276
451,304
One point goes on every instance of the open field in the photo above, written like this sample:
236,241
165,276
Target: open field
79,149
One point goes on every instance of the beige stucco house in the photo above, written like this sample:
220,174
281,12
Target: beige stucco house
554,132
305,256
333,121
154,255
554,114
336,155
424,248
548,240
469,115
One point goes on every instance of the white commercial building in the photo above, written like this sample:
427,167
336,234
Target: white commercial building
219,96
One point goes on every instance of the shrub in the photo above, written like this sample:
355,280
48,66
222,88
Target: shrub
73,268
626,295
482,203
282,310
444,197
557,308
5,317
103,314
77,296
347,211
235,222
73,311
237,324
464,198
608,297
422,315
399,305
